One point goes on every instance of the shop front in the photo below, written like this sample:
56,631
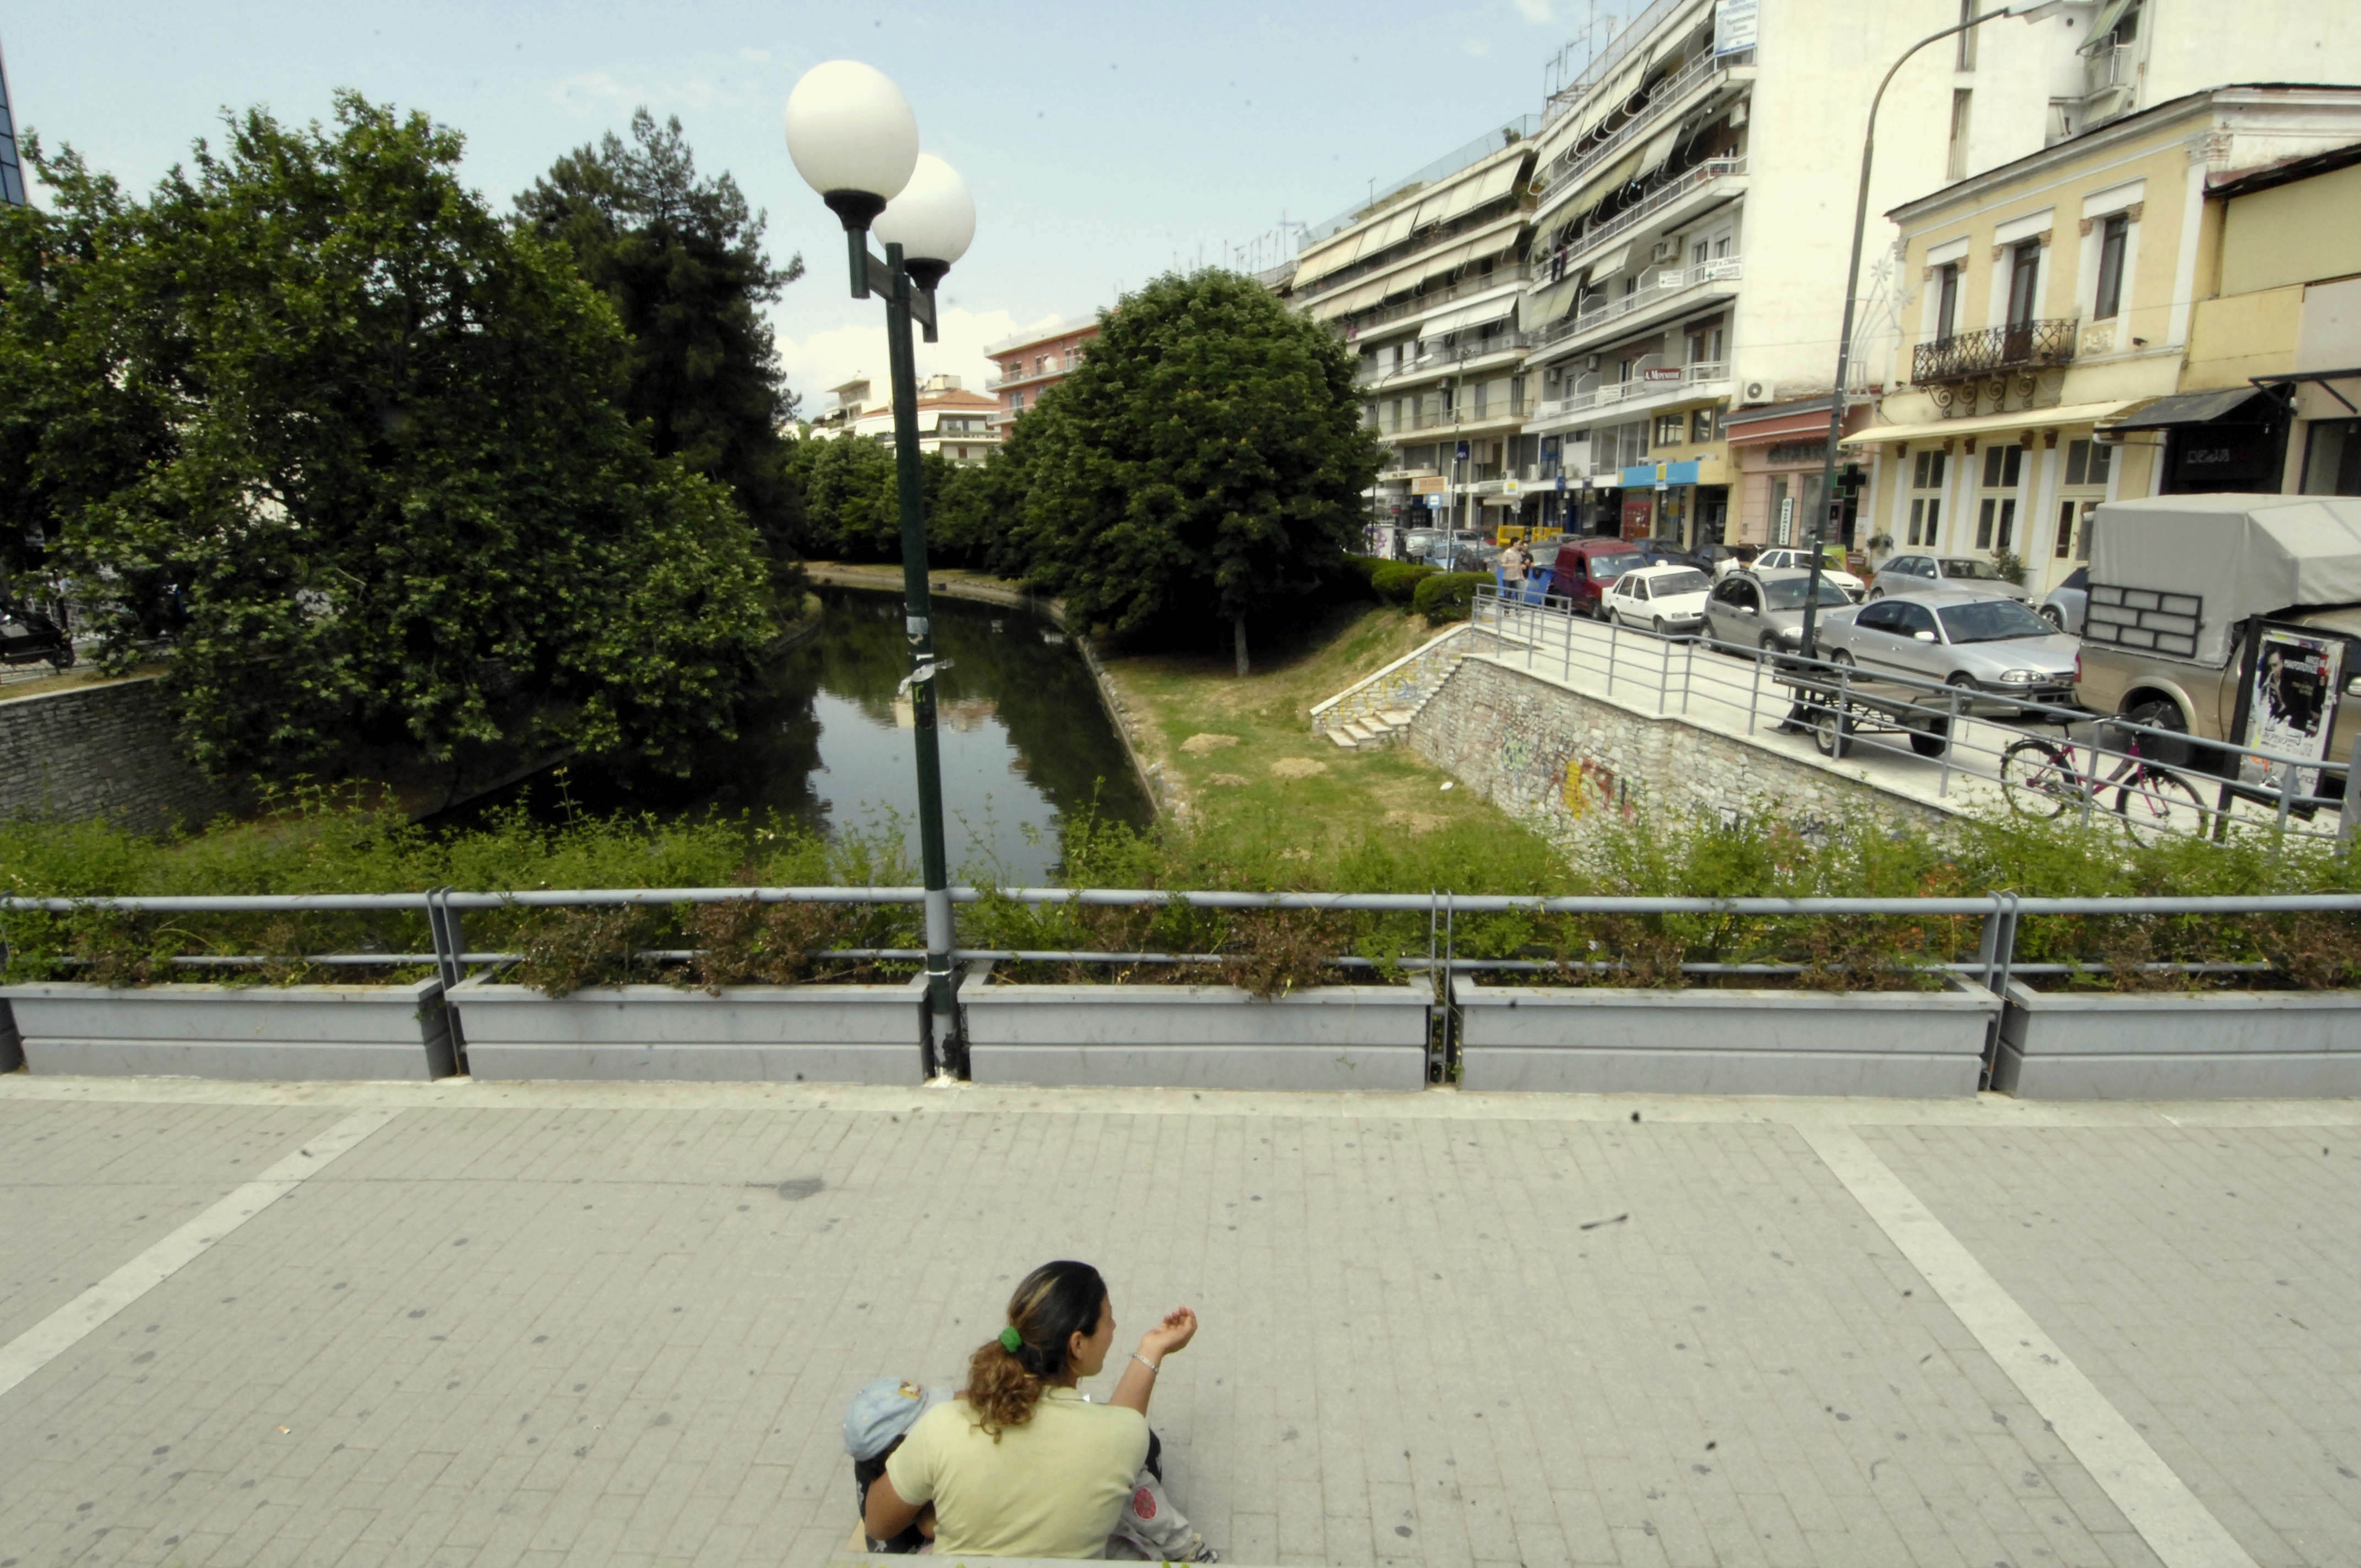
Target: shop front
2233,440
1780,454
1661,500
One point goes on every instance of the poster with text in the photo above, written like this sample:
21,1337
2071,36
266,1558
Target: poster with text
2290,707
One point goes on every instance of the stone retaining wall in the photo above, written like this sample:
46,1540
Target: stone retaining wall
101,751
1551,757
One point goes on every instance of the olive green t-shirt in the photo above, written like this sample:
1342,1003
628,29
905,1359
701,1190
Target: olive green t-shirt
1051,1487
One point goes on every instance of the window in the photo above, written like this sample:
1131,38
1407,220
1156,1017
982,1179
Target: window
2331,458
2114,234
1701,425
1956,168
1996,510
1927,510
1885,615
2088,465
1669,429
1697,253
2024,276
1967,39
1015,402
1910,619
1947,300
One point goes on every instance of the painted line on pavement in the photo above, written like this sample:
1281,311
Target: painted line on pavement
2179,1529
65,1328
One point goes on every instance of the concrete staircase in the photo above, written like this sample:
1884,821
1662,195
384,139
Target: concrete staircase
1378,710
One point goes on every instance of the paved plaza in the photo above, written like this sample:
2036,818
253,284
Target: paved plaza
489,1325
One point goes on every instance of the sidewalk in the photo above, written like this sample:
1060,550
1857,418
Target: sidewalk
486,1325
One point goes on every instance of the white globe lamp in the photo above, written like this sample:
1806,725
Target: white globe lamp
853,138
933,220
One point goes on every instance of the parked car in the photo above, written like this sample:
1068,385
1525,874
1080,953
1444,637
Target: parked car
1765,610
1585,568
1966,636
1537,575
1419,541
2064,606
29,636
1663,599
1460,554
1786,559
1711,558
1664,553
1919,574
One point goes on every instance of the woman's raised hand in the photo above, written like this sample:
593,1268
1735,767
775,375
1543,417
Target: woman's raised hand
1178,1327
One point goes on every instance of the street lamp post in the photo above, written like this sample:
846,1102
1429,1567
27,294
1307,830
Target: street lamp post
1831,506
854,140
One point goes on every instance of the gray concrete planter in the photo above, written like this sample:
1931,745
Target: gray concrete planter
264,1033
1616,1039
777,1033
2216,1045
1197,1036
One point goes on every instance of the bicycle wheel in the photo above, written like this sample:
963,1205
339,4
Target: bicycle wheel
2153,802
2040,779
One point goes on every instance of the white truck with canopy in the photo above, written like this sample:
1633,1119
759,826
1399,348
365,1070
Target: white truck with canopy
2233,619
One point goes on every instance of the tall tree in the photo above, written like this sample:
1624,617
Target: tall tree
681,259
1206,461
372,437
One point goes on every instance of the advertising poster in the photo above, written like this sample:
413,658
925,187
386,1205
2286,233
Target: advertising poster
2291,706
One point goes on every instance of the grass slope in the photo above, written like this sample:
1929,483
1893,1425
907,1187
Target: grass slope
1244,749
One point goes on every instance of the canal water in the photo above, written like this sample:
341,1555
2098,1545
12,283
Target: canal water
1025,743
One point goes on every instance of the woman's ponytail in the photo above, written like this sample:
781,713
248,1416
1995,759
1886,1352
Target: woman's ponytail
1005,1376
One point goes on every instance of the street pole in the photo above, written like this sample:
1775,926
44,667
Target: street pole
918,625
1830,504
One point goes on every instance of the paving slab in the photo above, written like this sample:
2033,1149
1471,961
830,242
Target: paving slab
618,1323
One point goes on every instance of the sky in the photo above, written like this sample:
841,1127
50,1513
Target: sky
1105,144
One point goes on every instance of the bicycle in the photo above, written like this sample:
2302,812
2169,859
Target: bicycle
2042,778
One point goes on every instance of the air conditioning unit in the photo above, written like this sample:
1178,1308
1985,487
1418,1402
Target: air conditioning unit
1755,392
1737,114
1665,250
1591,363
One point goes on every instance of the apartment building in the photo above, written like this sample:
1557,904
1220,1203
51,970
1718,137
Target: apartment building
2088,323
1033,362
960,424
1423,282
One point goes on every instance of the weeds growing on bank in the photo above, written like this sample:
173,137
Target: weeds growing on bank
317,843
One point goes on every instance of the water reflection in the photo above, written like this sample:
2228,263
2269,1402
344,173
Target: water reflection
1023,737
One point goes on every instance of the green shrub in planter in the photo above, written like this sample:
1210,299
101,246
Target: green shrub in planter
1396,581
1447,595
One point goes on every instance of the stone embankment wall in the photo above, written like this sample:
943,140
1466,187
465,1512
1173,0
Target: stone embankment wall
1551,758
101,751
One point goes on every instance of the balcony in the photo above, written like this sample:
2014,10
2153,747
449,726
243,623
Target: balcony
1466,288
1672,289
1667,384
2022,346
1443,361
1057,367
1700,75
1713,179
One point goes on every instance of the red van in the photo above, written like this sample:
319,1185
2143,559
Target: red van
1586,568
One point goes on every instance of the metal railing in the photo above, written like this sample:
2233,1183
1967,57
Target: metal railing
1405,683
2047,341
1702,373
1440,360
1518,272
1062,367
1525,127
1945,745
1662,285
1699,72
1682,186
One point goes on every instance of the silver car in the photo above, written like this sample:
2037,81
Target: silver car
1978,642
1923,573
1765,610
2064,607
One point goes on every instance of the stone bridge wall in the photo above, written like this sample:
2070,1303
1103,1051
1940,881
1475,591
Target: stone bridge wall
101,751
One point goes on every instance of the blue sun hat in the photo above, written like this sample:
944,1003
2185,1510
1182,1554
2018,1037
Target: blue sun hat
885,1409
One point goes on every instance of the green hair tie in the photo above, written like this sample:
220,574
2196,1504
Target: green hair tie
1011,1341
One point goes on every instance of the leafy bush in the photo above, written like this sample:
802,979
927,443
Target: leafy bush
1397,581
1447,595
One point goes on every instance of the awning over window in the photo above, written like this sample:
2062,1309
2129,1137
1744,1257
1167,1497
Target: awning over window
2232,405
1595,189
1470,194
1660,147
1536,311
1460,318
1612,99
1612,262
2061,416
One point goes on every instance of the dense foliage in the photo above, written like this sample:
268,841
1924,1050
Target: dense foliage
681,259
321,846
1205,462
316,407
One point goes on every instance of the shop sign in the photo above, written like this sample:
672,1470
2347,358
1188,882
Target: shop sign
1663,372
1427,485
1734,24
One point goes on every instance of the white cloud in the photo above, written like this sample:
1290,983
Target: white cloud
830,357
1538,11
594,95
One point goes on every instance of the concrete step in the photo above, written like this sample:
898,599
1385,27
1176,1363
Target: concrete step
1397,718
1346,741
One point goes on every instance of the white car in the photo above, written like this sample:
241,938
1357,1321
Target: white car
1786,559
1663,599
